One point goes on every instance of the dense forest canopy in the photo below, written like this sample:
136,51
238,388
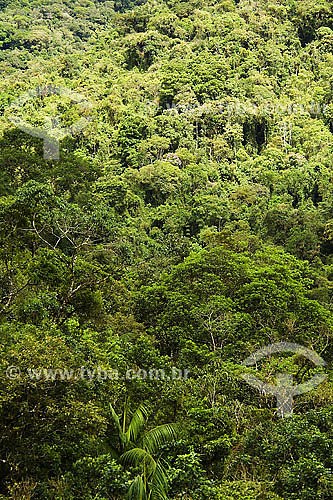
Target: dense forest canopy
186,225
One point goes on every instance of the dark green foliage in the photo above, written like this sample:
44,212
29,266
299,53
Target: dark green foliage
186,225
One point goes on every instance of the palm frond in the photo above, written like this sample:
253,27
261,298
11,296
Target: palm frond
122,437
115,419
139,457
154,439
137,423
137,490
159,484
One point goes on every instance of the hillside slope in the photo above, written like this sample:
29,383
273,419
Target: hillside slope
187,223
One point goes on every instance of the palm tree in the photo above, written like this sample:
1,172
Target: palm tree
140,448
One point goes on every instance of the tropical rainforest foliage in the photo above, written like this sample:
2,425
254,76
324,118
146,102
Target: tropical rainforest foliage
188,224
